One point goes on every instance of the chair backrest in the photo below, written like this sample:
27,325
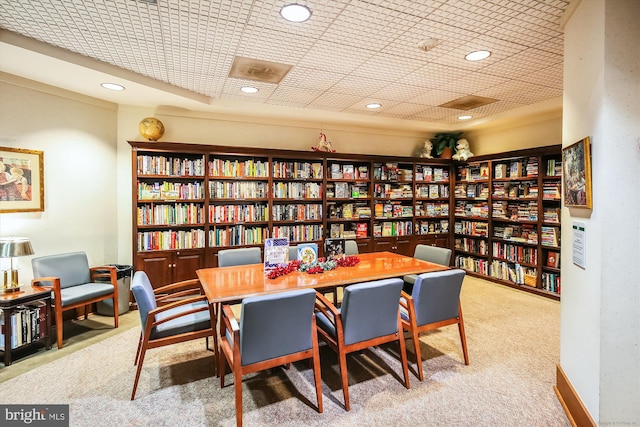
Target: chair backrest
239,256
71,268
143,294
370,309
275,325
351,247
433,254
293,253
436,295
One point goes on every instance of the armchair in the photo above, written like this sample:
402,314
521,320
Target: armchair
435,254
73,284
239,256
274,330
170,314
434,302
369,316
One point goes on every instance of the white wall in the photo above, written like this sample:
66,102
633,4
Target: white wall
600,316
78,138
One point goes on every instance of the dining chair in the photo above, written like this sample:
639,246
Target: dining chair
170,314
274,329
351,247
74,284
369,316
239,256
434,254
434,302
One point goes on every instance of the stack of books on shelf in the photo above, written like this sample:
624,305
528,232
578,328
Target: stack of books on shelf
551,215
515,169
550,236
554,167
551,191
500,171
28,324
532,167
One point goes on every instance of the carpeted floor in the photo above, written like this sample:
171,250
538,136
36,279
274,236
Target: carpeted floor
513,340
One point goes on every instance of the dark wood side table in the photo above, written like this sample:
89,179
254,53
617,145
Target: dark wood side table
9,303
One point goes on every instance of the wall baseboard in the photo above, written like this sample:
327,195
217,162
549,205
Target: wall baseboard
574,408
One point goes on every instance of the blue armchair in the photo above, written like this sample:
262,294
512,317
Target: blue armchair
369,316
434,302
274,330
170,314
434,254
73,284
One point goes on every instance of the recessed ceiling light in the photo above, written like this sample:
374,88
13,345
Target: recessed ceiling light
467,117
249,89
374,105
295,12
478,55
112,86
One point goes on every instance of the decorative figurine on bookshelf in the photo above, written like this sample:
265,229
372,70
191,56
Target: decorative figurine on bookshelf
463,151
151,128
323,144
425,150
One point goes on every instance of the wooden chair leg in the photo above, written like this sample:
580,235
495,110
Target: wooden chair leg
416,346
403,354
59,326
316,368
116,309
138,351
138,370
463,337
237,378
222,367
342,357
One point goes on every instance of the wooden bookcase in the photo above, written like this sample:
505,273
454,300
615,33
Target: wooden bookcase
507,218
191,200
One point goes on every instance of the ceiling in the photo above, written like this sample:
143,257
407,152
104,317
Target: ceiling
178,53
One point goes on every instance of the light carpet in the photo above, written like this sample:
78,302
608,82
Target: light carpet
513,340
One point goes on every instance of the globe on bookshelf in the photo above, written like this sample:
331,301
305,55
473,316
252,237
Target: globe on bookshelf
151,128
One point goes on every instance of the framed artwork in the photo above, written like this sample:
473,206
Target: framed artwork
21,180
576,177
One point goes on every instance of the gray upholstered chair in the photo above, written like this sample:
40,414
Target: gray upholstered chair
369,316
239,256
351,247
274,330
170,314
74,284
293,252
434,302
434,254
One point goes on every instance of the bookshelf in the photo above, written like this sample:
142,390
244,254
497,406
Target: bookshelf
507,219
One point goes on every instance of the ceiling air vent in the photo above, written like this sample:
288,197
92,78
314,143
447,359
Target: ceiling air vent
468,102
256,69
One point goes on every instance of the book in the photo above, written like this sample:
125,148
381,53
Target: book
500,171
361,230
553,259
276,253
341,190
348,172
308,252
334,248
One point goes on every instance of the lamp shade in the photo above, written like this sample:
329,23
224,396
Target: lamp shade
15,247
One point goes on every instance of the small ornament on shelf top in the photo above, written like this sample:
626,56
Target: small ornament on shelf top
151,128
323,144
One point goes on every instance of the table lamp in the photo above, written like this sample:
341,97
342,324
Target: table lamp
11,247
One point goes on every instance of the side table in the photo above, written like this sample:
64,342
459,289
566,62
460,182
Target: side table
9,303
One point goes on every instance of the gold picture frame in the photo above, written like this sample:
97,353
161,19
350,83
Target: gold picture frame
576,174
21,180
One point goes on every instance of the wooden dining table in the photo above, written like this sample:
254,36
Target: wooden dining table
232,284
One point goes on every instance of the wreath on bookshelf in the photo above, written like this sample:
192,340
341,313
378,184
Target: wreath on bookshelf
319,266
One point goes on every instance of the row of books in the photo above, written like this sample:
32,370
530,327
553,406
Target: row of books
474,209
392,210
550,236
345,190
28,324
472,228
297,212
178,214
238,190
392,228
432,227
515,253
238,213
238,235
527,211
432,209
429,174
477,246
297,190
297,170
516,190
349,231
551,214
477,265
348,171
238,168
480,191
170,166
349,211
521,233
473,172
171,239
551,282
392,172
513,272
432,191
554,167
551,191
170,191
299,233
393,191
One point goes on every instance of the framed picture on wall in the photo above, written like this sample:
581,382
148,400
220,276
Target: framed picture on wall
576,162
21,180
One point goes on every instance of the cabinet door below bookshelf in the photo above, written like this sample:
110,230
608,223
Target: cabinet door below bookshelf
165,267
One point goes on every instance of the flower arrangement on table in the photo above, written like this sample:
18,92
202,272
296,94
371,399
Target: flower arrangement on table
319,266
